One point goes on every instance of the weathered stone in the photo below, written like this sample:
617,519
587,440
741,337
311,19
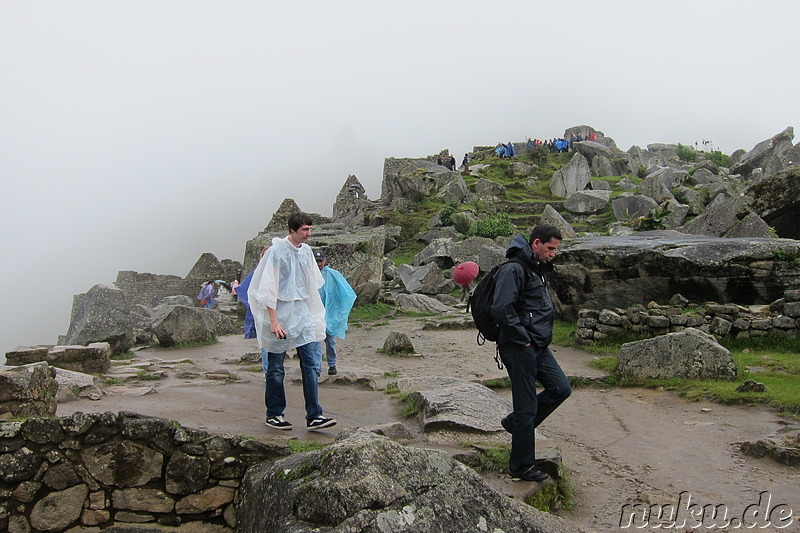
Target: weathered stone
27,390
19,465
782,322
426,279
101,315
657,321
180,324
352,204
397,343
587,201
689,354
94,517
137,499
552,217
94,358
751,385
364,482
75,385
124,464
776,147
774,199
450,403
629,207
609,317
186,473
57,510
26,491
575,176
43,430
25,355
61,476
205,500
720,326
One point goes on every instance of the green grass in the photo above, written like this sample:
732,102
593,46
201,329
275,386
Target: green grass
564,333
492,460
412,405
122,356
559,495
194,344
391,374
370,312
300,446
107,382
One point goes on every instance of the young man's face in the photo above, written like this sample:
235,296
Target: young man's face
544,251
321,262
301,235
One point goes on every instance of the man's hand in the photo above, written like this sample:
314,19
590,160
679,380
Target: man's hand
277,330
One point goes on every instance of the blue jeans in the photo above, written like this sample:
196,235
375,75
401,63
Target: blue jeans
330,352
526,365
275,394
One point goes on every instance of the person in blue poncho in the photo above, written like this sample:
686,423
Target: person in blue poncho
338,298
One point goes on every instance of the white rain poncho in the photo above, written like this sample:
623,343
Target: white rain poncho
287,279
338,297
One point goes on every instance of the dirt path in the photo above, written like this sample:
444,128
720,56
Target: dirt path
622,446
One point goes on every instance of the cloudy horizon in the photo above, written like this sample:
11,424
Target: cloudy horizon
137,136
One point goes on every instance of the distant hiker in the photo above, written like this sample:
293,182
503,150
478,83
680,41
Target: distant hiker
510,149
526,329
452,163
288,312
206,295
440,160
465,163
338,298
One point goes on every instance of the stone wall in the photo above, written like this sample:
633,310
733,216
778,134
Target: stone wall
117,469
147,289
779,318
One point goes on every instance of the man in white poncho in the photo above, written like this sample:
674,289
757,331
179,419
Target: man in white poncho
288,313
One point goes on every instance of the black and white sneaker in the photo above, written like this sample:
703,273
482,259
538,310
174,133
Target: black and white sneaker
320,422
278,422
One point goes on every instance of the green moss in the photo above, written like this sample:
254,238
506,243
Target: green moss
554,497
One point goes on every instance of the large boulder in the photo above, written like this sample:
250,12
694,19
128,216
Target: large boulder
419,303
720,217
179,324
574,176
426,279
101,315
365,482
609,272
584,202
409,179
27,390
628,206
688,354
554,218
592,149
92,359
767,155
776,199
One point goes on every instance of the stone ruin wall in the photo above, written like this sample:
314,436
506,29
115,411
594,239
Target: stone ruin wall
147,289
781,318
120,469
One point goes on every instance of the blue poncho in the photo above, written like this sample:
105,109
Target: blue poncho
249,321
338,297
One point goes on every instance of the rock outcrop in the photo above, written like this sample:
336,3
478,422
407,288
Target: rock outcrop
101,315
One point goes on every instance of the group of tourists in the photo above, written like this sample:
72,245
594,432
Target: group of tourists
560,144
298,303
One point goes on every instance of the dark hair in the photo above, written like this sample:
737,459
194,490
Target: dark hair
298,219
544,232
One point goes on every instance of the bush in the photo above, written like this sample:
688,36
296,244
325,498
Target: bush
491,227
446,212
720,159
686,153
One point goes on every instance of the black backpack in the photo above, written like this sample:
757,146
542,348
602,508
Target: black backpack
480,305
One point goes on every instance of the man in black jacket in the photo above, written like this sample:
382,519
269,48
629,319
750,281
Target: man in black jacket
526,329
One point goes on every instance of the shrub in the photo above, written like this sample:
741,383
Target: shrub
493,226
720,159
686,153
448,209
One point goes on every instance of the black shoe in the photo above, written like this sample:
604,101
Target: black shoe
278,422
531,474
332,371
320,422
506,423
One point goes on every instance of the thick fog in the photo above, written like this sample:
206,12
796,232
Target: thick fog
138,135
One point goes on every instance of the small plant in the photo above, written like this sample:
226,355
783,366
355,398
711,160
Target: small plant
107,382
556,496
412,406
499,225
363,247
392,388
391,374
641,172
686,153
123,356
653,220
720,159
448,209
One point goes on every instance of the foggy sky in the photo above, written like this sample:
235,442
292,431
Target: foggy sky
138,135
